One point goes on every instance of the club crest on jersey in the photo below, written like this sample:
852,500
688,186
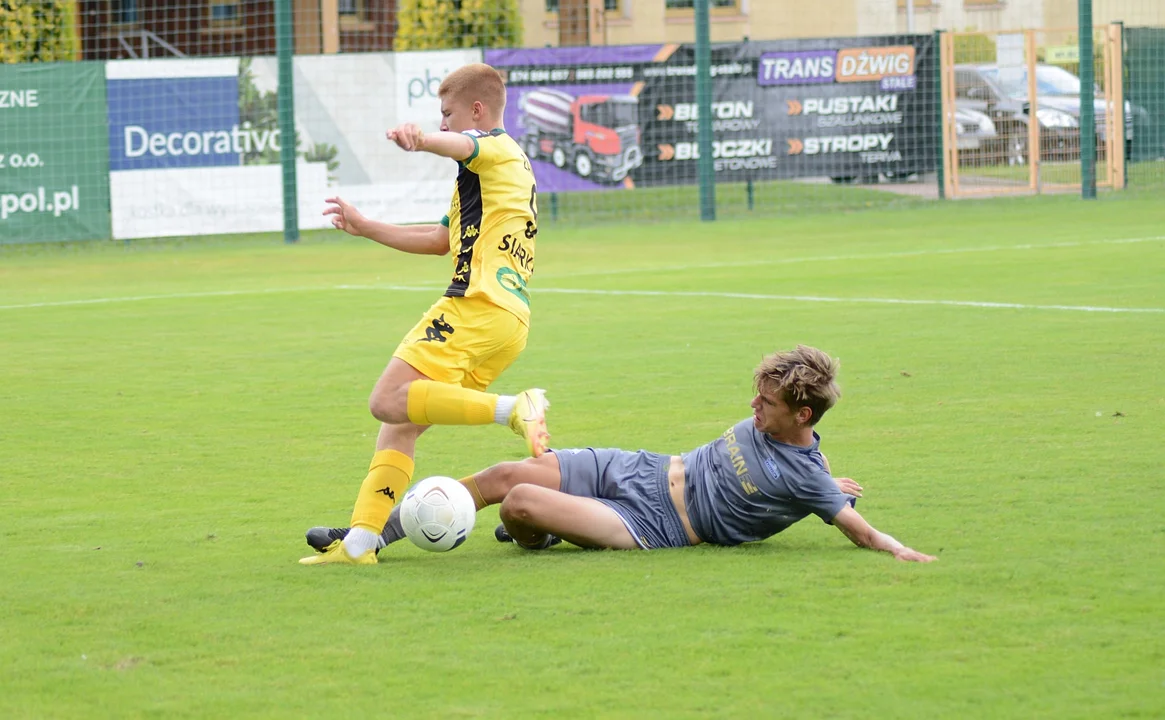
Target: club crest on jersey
772,469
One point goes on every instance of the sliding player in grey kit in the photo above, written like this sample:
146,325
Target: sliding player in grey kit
758,478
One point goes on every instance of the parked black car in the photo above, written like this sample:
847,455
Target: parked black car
1002,94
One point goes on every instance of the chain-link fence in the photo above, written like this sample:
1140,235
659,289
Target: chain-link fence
1144,78
1015,117
127,118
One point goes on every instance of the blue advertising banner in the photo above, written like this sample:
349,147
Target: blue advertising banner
186,118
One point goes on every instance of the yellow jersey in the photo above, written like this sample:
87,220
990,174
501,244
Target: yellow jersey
492,224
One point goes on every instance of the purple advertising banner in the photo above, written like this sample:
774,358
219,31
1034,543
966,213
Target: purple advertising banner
576,111
540,119
590,55
796,68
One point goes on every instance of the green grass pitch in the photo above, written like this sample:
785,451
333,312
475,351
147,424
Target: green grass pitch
176,413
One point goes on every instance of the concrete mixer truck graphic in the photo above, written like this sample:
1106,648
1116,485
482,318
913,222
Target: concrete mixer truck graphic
596,136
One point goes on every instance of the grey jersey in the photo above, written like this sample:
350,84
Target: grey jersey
745,486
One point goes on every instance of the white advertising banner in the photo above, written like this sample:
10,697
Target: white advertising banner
195,150
344,104
210,200
195,146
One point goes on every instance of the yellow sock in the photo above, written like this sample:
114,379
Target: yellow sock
434,403
470,484
388,478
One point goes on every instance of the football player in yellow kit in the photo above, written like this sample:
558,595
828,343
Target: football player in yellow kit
440,370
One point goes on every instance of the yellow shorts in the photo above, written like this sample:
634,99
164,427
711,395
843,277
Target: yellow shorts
463,341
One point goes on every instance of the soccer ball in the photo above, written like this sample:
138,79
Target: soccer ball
437,514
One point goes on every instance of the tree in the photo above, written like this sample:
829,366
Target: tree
257,111
38,31
260,111
437,24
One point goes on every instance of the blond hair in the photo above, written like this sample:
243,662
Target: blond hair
804,377
477,82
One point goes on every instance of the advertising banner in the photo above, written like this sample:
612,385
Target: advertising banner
577,111
619,117
170,114
195,145
54,156
344,104
194,149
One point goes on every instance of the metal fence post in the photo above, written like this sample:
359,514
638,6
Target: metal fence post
1087,109
939,134
704,103
1120,74
284,44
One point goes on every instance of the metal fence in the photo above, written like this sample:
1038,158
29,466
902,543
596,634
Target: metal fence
127,119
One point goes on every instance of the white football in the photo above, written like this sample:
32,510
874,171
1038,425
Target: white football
437,514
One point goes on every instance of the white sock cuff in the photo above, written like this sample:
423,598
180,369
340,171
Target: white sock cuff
359,541
505,407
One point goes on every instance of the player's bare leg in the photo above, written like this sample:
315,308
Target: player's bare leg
389,402
495,482
531,513
402,438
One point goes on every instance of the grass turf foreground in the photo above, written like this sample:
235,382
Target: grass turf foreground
177,413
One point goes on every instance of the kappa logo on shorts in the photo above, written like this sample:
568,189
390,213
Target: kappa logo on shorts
438,331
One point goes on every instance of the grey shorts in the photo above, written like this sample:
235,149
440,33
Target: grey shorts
633,484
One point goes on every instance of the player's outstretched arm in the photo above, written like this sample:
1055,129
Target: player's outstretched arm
453,145
862,534
416,239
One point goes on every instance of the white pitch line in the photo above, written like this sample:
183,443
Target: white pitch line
855,300
795,298
629,293
858,256
168,296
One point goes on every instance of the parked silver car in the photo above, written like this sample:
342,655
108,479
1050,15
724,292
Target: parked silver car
1002,95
